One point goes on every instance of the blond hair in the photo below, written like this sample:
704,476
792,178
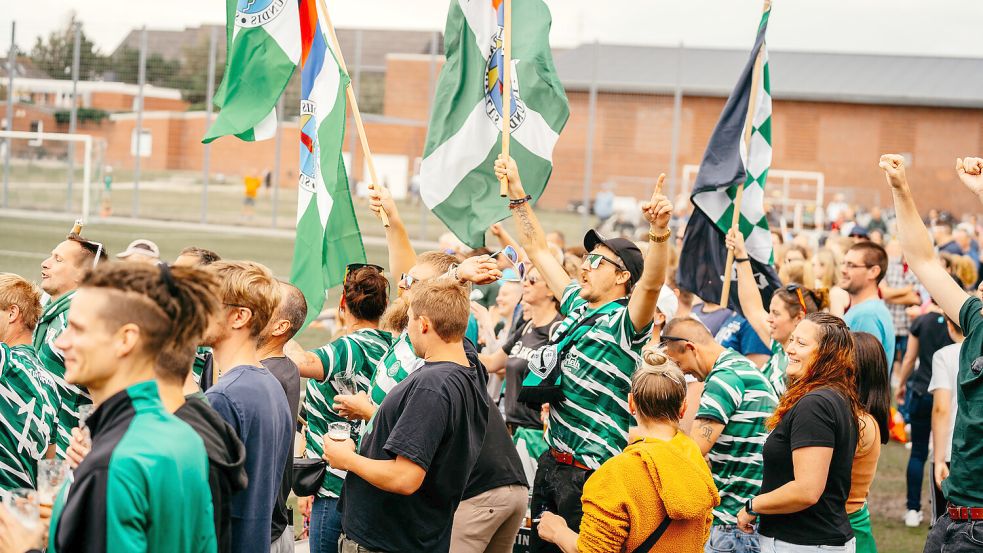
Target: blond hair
446,304
15,290
797,272
251,285
658,386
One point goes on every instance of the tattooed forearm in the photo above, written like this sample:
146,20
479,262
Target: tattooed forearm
707,432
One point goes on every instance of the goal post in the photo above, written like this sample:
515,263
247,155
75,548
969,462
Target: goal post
36,139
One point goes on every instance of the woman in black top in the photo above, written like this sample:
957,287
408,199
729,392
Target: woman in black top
808,456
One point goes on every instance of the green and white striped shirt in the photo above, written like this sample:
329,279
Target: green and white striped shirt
203,355
28,413
355,355
592,422
738,395
54,321
394,366
775,368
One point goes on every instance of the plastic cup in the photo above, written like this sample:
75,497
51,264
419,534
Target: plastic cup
339,431
51,476
25,505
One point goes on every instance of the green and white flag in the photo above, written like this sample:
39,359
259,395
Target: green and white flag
263,48
731,161
328,238
457,174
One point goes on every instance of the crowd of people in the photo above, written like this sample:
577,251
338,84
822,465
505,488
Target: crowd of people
571,392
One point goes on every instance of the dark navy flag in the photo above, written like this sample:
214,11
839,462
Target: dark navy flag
730,162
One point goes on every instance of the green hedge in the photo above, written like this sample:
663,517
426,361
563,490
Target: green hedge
84,114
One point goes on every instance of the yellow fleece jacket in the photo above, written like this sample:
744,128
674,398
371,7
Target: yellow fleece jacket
627,498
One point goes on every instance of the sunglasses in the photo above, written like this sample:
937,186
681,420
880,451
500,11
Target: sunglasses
95,248
509,253
354,267
594,261
666,338
406,281
798,292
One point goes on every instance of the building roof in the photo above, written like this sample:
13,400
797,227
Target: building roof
814,76
57,86
24,67
171,45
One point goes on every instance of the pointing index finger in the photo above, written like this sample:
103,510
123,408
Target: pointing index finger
660,184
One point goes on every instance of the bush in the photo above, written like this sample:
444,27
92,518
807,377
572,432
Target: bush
84,114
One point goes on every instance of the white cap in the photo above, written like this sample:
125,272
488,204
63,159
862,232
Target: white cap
140,246
668,303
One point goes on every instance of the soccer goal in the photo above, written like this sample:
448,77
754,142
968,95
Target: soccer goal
34,168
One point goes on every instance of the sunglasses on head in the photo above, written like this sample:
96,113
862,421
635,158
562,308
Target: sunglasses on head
354,267
666,338
95,248
798,292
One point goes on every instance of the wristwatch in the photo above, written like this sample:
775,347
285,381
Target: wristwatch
660,238
747,507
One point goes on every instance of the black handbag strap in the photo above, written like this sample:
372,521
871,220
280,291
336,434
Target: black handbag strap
648,544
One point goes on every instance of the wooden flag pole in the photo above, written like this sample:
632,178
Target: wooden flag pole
506,91
739,197
353,102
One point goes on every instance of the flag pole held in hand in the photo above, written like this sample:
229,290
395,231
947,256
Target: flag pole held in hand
506,91
739,195
353,102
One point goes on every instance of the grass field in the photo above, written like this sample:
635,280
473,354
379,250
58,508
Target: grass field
24,244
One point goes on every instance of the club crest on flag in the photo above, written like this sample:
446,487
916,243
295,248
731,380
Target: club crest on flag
495,73
253,13
310,150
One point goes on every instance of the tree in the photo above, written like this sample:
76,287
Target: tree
54,55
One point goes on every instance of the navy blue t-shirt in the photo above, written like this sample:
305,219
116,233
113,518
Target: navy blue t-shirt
252,401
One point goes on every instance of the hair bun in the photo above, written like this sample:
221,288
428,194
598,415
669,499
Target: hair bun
654,357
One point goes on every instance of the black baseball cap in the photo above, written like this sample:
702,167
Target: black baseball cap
625,249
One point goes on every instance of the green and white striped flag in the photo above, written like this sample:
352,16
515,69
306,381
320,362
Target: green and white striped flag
263,46
328,238
457,174
755,155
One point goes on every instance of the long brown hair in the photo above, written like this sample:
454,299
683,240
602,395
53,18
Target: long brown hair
834,367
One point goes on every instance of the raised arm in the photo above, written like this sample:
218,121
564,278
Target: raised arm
506,239
916,242
401,254
531,235
641,304
747,287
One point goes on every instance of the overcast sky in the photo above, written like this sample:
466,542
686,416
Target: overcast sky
914,27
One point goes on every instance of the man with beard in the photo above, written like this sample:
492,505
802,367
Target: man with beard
61,274
608,318
864,266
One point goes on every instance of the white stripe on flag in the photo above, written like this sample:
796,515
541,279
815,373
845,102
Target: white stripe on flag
483,21
266,129
447,166
535,134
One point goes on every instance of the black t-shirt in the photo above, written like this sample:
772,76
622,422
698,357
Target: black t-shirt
524,340
288,375
822,418
498,463
436,418
933,335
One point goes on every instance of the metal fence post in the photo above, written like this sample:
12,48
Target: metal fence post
11,54
142,79
589,148
276,161
209,93
677,123
432,83
73,118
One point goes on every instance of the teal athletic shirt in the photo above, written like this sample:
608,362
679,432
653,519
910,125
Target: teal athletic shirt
143,487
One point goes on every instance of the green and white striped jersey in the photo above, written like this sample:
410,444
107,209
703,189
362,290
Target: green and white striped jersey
592,421
775,368
356,356
54,321
203,357
738,395
396,365
28,413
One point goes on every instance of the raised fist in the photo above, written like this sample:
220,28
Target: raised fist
970,171
893,166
